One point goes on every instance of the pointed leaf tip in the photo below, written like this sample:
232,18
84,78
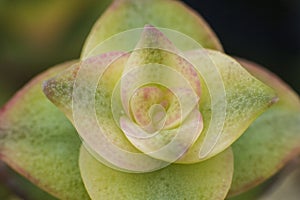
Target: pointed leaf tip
238,95
124,15
272,140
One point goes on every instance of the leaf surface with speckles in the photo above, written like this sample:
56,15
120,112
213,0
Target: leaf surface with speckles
38,141
205,181
123,15
272,140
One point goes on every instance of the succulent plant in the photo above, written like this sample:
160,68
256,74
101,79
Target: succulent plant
153,109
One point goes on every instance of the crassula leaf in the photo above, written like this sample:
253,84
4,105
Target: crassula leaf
272,140
205,181
245,98
123,15
38,141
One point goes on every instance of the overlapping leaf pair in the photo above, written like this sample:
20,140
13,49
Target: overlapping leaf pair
158,112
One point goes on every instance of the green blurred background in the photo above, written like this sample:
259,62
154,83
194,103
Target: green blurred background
35,35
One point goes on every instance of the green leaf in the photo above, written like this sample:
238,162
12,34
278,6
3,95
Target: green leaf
38,141
272,140
244,100
205,181
123,15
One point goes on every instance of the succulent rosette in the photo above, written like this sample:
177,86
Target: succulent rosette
153,109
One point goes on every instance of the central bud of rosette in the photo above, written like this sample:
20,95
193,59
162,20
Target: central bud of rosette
137,110
154,108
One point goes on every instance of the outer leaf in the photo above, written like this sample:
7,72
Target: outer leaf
128,14
208,180
287,187
272,140
38,141
256,192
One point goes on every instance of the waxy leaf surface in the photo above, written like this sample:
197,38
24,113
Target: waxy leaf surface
272,140
244,100
38,141
123,15
205,181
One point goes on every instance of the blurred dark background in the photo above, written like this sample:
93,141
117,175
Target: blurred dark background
35,35
264,31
